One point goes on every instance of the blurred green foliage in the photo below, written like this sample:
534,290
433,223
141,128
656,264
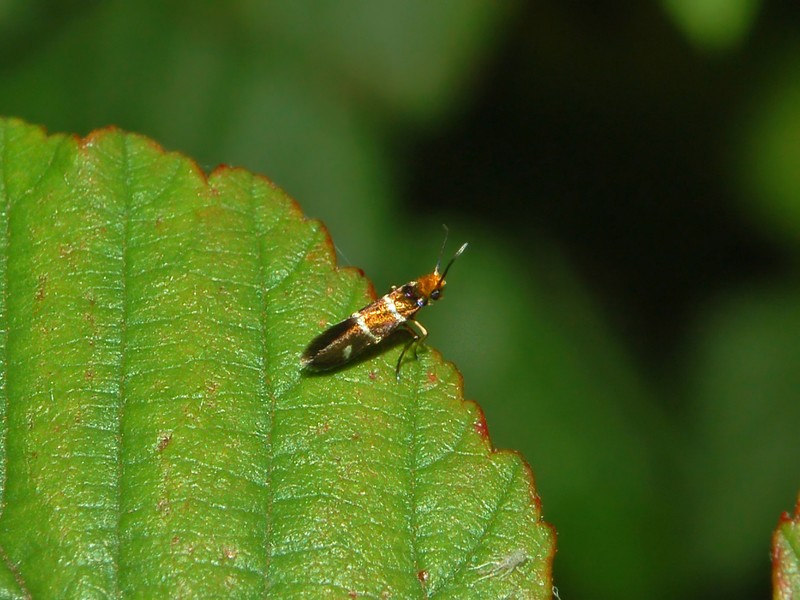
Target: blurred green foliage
769,148
714,25
661,484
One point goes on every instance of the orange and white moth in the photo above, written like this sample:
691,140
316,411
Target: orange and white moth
369,326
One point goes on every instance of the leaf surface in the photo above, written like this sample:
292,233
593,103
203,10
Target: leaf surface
786,557
159,438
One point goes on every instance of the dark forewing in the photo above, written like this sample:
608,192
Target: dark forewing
335,346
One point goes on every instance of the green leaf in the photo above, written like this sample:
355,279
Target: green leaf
159,438
786,557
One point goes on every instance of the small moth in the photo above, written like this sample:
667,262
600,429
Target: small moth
369,326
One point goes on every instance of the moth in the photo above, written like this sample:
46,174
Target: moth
344,341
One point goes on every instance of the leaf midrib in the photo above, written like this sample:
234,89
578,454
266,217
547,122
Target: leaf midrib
123,351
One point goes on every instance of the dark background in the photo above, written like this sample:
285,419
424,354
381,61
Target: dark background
627,175
621,152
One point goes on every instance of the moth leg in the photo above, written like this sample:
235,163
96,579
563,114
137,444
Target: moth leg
417,337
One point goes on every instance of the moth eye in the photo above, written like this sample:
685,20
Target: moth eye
436,294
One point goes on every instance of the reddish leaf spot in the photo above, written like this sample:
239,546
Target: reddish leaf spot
423,575
164,440
88,374
352,594
481,428
229,553
41,287
373,375
209,213
432,377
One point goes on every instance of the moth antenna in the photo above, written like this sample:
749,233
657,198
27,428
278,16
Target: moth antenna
441,251
452,260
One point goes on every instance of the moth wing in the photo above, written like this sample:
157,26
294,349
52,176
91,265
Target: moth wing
335,346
